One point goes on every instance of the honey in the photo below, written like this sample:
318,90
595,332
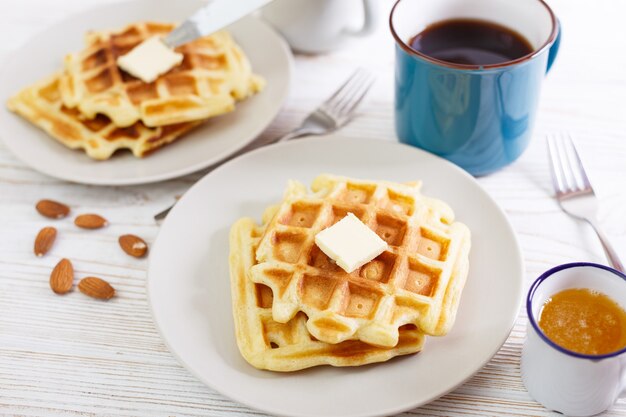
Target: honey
584,321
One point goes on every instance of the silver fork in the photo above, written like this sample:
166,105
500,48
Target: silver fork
334,113
574,192
337,110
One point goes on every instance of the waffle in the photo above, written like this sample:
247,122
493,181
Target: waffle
214,73
266,344
418,280
41,105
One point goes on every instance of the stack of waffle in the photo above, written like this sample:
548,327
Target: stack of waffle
94,105
294,308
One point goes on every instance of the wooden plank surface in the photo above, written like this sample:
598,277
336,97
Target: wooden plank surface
71,356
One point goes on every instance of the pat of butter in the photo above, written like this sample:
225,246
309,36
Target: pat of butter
350,243
149,59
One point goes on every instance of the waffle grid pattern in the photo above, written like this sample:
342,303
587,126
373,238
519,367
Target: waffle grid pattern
267,344
93,105
417,281
41,104
214,73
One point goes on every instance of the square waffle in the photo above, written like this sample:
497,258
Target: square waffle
214,73
267,344
41,105
417,281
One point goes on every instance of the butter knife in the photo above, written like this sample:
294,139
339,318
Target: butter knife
215,15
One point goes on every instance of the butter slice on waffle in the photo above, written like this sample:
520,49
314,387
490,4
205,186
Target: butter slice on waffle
214,73
41,105
267,344
417,281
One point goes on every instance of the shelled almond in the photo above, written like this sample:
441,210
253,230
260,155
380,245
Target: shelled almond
90,221
62,277
44,240
52,209
96,288
133,245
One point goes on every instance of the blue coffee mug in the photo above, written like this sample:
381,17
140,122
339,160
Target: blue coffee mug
479,117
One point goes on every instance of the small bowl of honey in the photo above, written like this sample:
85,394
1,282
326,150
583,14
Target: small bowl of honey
574,356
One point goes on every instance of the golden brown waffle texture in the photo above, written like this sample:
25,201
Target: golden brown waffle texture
41,105
92,105
294,308
214,73
417,281
267,344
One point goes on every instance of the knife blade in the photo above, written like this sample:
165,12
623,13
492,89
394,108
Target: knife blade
214,16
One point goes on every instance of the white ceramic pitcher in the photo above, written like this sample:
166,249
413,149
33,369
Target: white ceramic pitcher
572,383
318,26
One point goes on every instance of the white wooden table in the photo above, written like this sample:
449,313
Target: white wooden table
72,356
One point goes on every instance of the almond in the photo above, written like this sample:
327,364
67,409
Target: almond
62,277
133,245
52,209
44,240
96,288
90,221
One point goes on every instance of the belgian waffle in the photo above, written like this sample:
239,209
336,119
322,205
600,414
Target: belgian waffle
41,105
214,73
418,280
267,344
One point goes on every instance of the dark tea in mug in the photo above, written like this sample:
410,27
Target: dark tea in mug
471,42
468,76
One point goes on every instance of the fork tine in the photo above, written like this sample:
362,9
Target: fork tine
566,169
579,164
576,177
343,88
336,105
351,102
555,164
357,101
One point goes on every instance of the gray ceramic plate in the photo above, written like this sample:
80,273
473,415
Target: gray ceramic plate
220,137
189,290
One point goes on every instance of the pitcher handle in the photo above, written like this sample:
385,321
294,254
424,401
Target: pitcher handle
370,19
554,49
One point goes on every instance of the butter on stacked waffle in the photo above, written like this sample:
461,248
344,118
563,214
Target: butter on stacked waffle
214,73
267,344
41,104
92,105
417,281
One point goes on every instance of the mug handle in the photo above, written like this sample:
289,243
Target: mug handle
554,49
370,19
